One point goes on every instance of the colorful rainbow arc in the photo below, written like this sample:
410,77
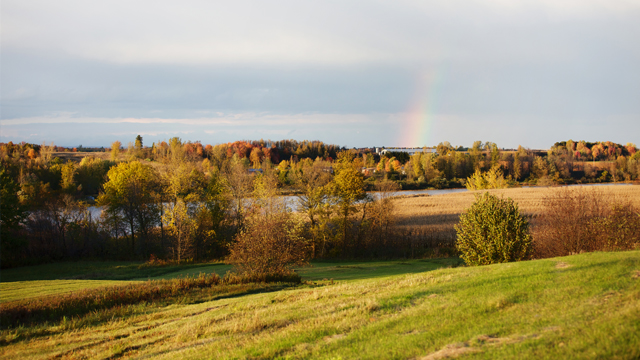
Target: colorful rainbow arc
418,131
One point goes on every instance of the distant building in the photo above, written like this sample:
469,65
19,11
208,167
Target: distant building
410,151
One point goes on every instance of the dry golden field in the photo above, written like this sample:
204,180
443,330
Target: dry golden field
78,156
432,218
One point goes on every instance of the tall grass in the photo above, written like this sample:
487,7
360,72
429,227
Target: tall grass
573,221
56,307
428,221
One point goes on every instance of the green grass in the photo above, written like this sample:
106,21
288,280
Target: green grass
582,306
102,270
358,270
18,290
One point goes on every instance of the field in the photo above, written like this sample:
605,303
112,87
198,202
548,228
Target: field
582,306
432,217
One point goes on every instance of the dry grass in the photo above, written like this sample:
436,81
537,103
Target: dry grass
523,310
433,217
78,156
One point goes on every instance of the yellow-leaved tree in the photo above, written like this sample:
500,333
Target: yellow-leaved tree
129,192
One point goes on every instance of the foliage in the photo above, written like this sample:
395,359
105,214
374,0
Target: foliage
575,221
270,244
493,231
12,214
130,192
180,223
492,179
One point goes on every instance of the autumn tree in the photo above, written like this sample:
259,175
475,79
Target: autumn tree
256,157
270,245
178,218
348,190
239,186
115,150
129,191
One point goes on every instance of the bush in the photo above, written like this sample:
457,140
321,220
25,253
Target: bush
492,231
581,220
271,244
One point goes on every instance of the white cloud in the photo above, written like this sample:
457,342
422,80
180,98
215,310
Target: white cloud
282,32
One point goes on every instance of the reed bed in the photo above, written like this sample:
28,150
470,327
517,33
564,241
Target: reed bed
429,220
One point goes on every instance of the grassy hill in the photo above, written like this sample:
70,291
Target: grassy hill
582,306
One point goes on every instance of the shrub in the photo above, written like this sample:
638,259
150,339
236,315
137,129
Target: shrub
271,244
580,220
492,231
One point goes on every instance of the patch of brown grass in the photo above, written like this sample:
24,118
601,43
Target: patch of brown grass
431,219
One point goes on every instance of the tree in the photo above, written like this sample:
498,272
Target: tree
115,150
493,231
271,244
63,212
256,157
138,143
492,179
178,218
416,162
348,189
239,186
129,191
12,214
46,152
517,167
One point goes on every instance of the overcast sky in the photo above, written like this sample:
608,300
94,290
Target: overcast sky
353,73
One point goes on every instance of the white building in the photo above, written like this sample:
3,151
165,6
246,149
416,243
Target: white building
410,151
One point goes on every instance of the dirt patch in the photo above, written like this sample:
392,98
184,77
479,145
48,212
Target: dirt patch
450,351
334,337
474,345
562,265
432,296
636,274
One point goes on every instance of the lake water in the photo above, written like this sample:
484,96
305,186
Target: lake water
292,201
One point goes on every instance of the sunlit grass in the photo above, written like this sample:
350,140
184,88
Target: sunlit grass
582,306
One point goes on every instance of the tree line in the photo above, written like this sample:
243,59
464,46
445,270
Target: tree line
182,200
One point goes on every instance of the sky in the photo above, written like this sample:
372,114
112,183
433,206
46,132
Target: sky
353,73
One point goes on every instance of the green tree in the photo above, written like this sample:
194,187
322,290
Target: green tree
129,191
493,231
12,214
138,143
416,161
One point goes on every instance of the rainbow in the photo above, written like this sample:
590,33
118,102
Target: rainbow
419,121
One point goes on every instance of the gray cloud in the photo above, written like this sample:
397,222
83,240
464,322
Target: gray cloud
571,66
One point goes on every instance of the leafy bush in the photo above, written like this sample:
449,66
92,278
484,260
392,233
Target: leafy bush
492,231
583,220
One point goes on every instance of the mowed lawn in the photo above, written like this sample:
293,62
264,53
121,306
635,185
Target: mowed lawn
581,306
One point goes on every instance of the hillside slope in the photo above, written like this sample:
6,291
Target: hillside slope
582,306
